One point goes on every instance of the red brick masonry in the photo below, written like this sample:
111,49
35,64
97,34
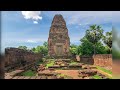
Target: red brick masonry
103,60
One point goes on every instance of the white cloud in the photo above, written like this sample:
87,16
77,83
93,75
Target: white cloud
35,22
34,15
91,17
31,41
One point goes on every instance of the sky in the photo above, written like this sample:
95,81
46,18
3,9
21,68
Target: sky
31,28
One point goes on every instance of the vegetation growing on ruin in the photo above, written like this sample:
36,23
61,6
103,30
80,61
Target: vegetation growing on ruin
96,77
28,73
103,69
51,63
73,63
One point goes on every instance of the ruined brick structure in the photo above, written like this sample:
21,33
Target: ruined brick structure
103,60
58,41
17,58
87,60
2,67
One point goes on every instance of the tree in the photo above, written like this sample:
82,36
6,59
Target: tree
45,44
73,49
94,34
108,39
22,47
34,50
42,49
86,47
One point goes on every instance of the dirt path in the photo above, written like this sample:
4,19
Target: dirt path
72,73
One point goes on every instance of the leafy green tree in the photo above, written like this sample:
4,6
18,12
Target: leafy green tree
86,47
73,49
108,40
22,47
34,50
45,44
41,49
94,34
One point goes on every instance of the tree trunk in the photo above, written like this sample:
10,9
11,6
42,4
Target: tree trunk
94,49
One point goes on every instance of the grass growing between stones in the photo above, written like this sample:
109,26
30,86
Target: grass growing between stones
96,77
51,63
65,76
73,63
103,69
29,73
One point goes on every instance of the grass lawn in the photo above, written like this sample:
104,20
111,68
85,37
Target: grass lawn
103,69
28,73
96,77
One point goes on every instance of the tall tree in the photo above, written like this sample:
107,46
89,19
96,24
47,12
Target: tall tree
86,47
94,34
73,49
45,44
108,39
22,47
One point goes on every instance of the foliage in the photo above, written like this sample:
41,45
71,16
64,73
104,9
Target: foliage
51,63
94,34
103,69
29,73
74,49
96,77
41,49
108,39
22,47
45,44
73,63
86,47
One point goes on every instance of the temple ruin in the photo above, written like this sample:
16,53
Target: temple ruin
58,41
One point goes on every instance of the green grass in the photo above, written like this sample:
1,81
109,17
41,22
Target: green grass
96,77
103,69
65,76
39,62
51,63
73,63
29,73
51,59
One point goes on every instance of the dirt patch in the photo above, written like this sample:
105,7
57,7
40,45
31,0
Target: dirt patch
71,73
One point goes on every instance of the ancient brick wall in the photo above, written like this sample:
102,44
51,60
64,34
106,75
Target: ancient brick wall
2,67
86,59
98,59
17,58
103,59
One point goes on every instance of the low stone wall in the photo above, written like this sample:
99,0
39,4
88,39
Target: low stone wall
103,60
98,59
86,59
17,58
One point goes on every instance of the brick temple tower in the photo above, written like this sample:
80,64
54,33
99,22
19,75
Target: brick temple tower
58,41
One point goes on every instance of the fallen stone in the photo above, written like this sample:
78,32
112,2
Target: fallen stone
87,72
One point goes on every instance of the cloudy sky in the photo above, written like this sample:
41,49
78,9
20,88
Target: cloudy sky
31,28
